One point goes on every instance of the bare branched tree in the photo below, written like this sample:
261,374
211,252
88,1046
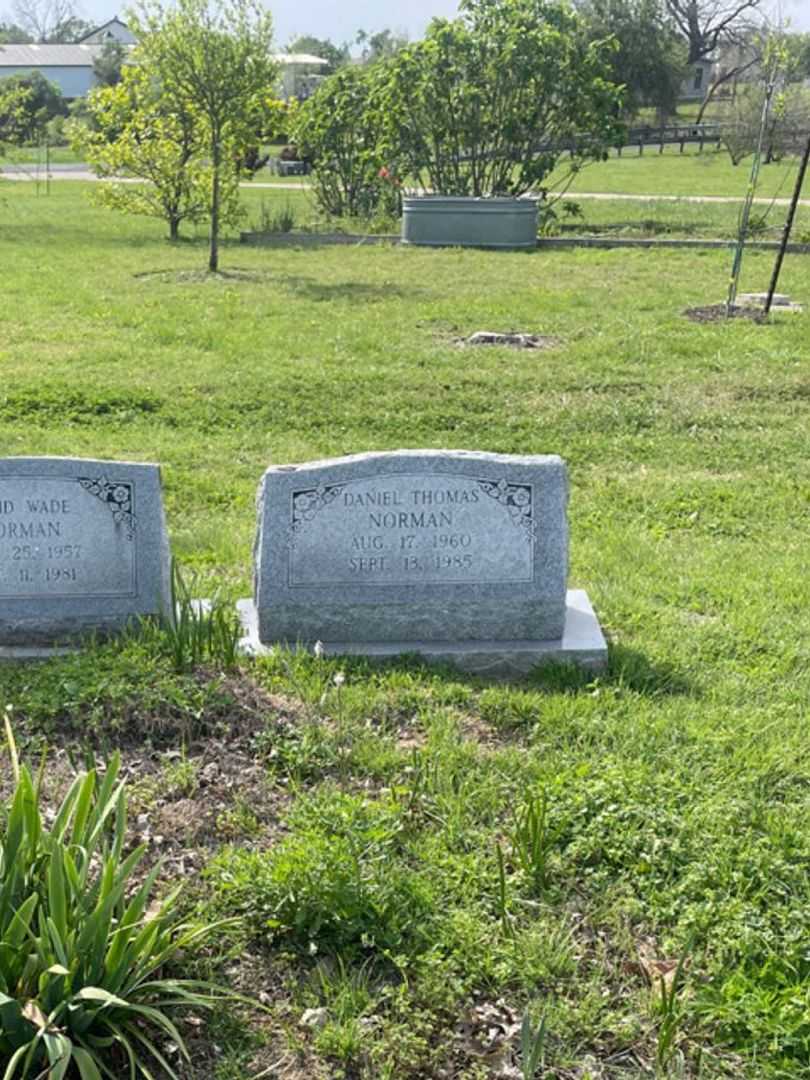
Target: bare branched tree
47,20
705,24
747,61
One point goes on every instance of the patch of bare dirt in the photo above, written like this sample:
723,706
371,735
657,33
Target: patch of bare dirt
719,313
194,790
513,339
203,277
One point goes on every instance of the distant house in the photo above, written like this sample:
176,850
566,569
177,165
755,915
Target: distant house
698,80
70,67
112,30
300,74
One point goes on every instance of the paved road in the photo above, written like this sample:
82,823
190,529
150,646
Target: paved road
80,172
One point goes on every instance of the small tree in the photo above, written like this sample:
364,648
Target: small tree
487,103
109,62
213,60
381,45
27,103
787,124
338,132
135,130
13,101
12,34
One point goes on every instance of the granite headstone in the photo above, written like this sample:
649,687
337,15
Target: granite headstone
458,555
83,549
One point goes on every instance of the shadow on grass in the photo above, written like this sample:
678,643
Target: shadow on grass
626,668
343,290
67,238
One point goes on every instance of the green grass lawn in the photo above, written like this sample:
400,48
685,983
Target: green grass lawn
691,173
37,155
677,219
359,839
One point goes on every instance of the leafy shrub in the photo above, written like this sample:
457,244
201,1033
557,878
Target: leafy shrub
338,131
485,104
27,103
82,944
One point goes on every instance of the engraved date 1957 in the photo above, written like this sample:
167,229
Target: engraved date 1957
55,551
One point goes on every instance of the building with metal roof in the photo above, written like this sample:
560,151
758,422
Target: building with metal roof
70,67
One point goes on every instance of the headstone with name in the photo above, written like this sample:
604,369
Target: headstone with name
460,556
83,550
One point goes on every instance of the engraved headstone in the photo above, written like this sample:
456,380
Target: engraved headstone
458,555
83,549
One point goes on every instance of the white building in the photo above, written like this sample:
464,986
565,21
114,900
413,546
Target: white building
300,74
70,67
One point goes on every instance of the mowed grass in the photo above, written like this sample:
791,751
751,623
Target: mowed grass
677,219
389,887
671,173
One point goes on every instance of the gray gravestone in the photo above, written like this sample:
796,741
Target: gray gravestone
457,555
83,549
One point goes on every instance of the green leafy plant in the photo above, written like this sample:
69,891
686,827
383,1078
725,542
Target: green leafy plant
670,1010
503,894
181,776
487,103
83,944
532,1045
333,883
215,61
137,129
338,132
276,221
200,631
533,840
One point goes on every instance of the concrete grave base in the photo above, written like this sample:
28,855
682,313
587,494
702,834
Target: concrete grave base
16,654
582,643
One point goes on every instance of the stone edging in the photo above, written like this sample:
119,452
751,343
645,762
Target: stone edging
291,240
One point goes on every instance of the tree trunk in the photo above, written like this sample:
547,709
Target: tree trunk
216,161
174,228
714,86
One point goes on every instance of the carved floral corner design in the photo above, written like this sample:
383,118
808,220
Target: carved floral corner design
117,495
306,504
516,498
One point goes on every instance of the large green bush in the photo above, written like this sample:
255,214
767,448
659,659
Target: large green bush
488,102
338,132
83,944
28,103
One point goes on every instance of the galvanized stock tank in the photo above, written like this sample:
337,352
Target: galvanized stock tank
454,221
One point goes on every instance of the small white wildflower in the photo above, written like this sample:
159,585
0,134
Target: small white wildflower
318,649
339,678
